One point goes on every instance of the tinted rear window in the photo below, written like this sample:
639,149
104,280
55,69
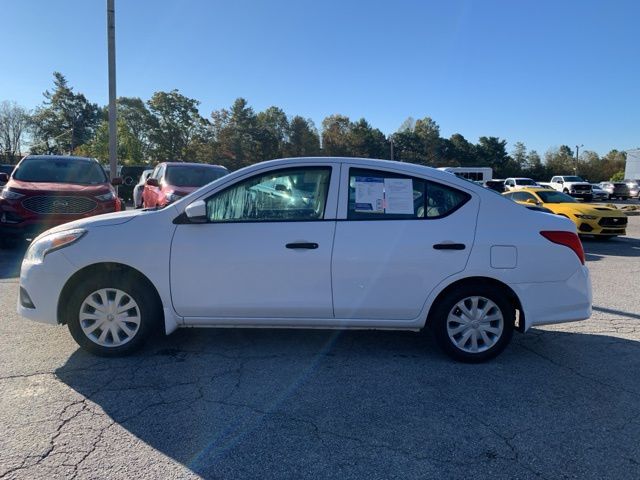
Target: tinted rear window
60,170
193,176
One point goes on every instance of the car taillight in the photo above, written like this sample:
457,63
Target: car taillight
568,239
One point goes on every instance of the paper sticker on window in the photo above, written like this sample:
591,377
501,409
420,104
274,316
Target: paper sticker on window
369,194
399,195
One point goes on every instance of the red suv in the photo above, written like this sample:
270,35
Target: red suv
170,181
46,190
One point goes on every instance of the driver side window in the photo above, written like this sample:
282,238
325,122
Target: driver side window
294,194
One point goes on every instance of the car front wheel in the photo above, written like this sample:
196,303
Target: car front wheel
111,317
473,323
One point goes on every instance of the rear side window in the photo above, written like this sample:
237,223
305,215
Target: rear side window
376,195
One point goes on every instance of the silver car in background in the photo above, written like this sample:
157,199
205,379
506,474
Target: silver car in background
137,190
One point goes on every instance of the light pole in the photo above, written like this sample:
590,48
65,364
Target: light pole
111,49
577,152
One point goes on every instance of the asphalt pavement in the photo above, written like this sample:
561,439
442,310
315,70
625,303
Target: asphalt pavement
560,402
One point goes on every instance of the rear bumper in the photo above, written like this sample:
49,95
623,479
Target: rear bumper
556,302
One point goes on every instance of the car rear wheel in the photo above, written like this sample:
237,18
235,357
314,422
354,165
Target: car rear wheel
111,316
473,323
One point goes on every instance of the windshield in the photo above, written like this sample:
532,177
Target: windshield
573,179
193,176
525,181
60,170
551,196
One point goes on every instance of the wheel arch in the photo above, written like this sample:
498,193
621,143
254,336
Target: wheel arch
506,289
106,269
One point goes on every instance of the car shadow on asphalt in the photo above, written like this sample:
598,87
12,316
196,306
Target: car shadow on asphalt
596,249
320,404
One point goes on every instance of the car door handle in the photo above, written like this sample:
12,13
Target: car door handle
306,245
449,246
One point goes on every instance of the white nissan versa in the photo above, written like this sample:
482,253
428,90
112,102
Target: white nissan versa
315,243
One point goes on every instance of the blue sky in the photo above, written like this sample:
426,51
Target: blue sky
542,72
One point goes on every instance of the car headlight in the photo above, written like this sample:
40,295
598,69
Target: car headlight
8,194
106,197
172,197
51,242
586,217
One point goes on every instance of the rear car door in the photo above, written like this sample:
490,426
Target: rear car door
397,237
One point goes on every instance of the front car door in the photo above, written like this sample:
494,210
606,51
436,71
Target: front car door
397,237
264,252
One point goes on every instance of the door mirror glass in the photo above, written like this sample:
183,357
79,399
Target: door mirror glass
197,212
116,181
152,182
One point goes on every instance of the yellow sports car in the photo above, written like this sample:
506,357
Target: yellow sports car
596,220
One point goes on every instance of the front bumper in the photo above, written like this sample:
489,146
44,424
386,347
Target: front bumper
556,302
15,221
43,284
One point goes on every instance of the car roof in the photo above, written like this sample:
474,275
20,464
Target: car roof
60,157
192,164
376,163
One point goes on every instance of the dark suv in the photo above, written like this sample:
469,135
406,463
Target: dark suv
46,190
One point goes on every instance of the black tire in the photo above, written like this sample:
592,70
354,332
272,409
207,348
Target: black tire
149,312
438,319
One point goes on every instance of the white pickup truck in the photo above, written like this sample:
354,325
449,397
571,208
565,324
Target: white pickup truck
572,185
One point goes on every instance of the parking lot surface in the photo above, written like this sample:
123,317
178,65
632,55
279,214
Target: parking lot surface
561,402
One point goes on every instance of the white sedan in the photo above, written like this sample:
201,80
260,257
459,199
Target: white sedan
313,243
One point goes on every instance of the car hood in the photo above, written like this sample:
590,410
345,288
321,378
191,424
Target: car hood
104,220
583,209
57,188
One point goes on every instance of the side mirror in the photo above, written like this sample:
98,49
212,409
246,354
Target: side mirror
532,201
560,181
4,177
116,181
152,182
196,212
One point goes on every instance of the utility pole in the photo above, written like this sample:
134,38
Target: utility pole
577,153
111,38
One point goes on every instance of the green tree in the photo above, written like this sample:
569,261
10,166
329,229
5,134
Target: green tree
175,122
235,133
519,155
304,140
65,121
560,161
366,141
459,152
431,145
14,121
272,133
492,152
335,136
